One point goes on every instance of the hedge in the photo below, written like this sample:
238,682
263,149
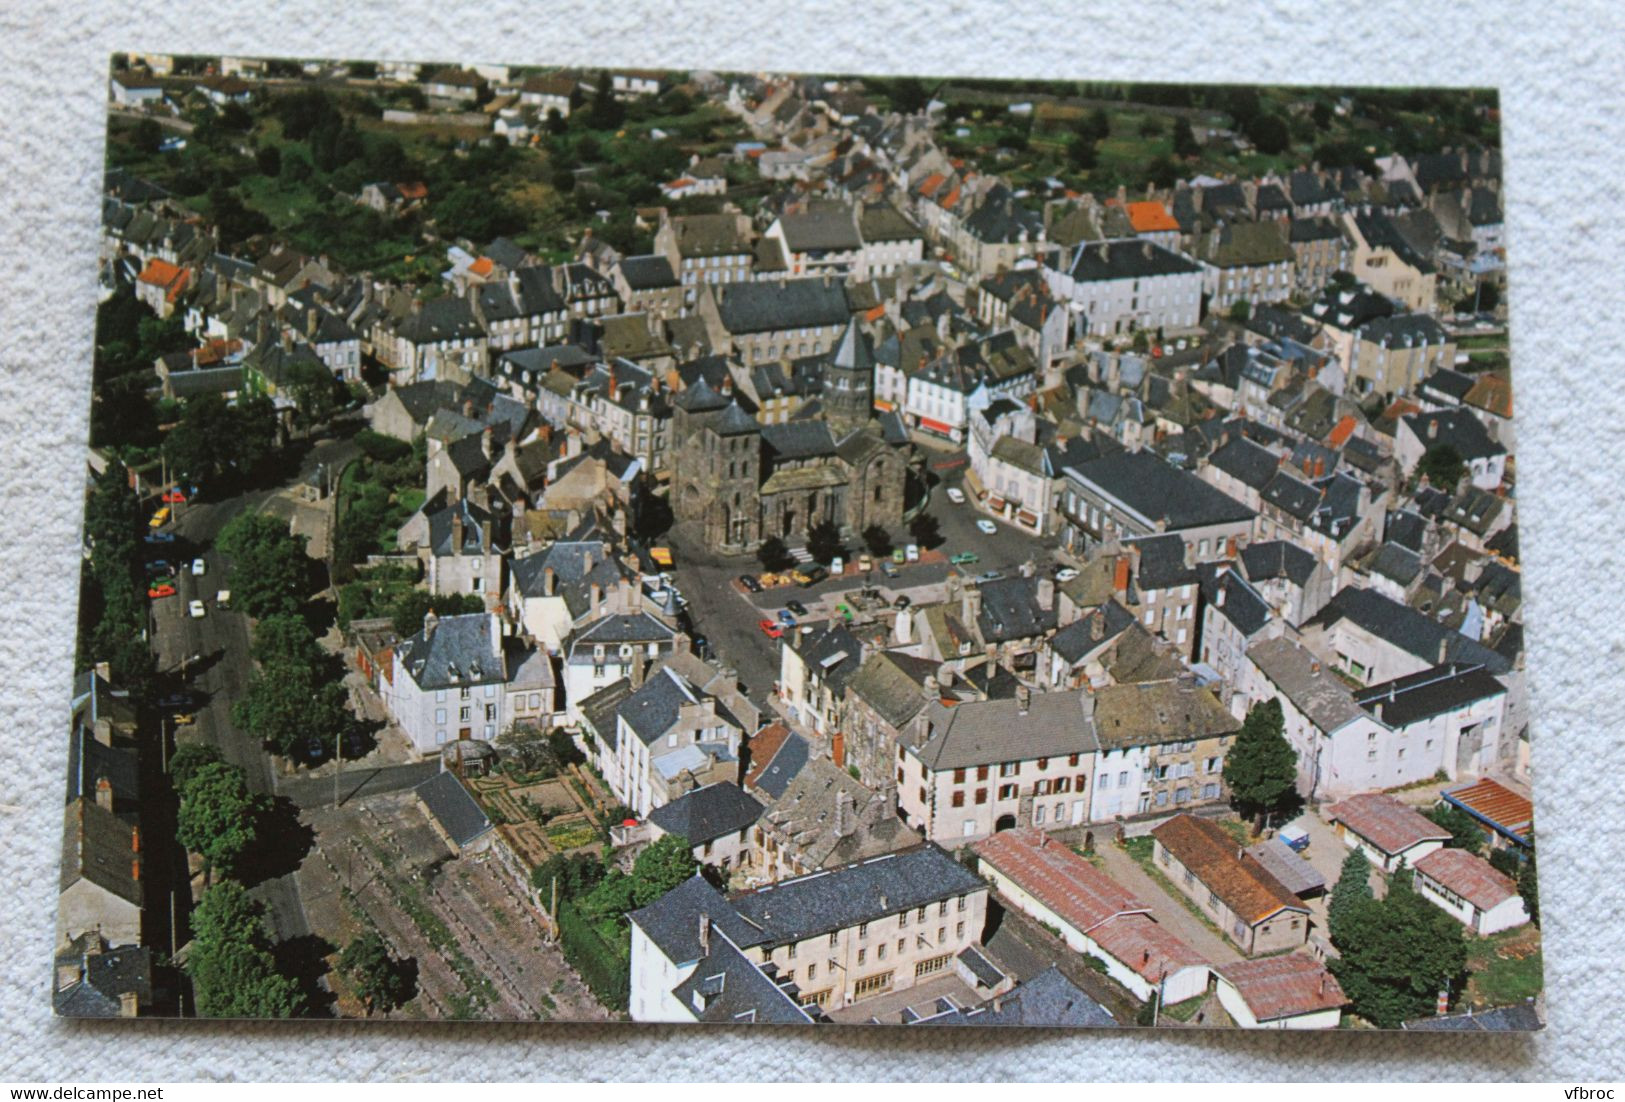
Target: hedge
606,973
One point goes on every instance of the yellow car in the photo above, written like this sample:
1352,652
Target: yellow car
185,719
160,518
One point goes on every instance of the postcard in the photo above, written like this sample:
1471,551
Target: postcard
602,544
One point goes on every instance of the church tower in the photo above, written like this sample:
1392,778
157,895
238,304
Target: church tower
849,383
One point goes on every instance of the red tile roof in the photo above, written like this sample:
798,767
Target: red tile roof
1385,822
1205,848
160,273
1341,432
1151,950
1472,878
763,745
1498,803
482,266
1080,894
1150,216
1283,987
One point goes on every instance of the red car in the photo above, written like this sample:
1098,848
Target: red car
770,629
174,497
162,589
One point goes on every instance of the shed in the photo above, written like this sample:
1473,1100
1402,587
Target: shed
454,813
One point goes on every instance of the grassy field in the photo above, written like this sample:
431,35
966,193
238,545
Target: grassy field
1505,968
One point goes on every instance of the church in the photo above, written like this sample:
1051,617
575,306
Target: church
745,482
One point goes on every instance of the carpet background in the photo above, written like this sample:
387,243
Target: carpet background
1556,66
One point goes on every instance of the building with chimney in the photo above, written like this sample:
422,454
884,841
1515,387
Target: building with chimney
1231,888
823,818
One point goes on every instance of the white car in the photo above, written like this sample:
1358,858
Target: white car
1066,573
987,527
196,610
199,568
956,495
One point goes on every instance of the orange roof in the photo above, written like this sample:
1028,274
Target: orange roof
953,197
1341,432
159,273
1401,407
1283,987
1206,849
1150,216
875,313
482,266
1497,803
1070,887
1492,394
414,190
931,183
763,745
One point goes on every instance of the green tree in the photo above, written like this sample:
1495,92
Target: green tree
773,554
661,867
1162,171
270,572
877,540
1443,466
824,542
378,978
268,159
1261,769
1529,888
233,973
411,607
284,637
1353,889
218,815
576,874
289,705
1185,144
1241,311
1397,955
925,529
1270,134
1081,153
1465,833
187,760
611,897
315,391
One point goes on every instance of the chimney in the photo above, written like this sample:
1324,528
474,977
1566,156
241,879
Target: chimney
1433,428
1046,593
1145,249
128,1004
843,813
550,581
638,660
135,839
1218,597
929,689
681,643
493,625
837,749
1444,648
468,408
1120,576
488,443
485,536
1024,699
135,868
1314,666
457,532
1377,711
705,934
104,794
597,592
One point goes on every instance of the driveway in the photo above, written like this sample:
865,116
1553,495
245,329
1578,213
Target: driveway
1165,908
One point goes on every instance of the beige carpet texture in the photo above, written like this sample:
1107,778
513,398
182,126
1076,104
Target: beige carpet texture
1558,71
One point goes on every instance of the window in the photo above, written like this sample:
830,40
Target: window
440,715
1190,877
942,934
919,915
871,985
981,774
1043,763
463,713
863,955
1105,781
1009,769
880,953
490,712
959,776
902,919
958,800
1073,760
812,972
790,951
1007,791
1213,900
931,966
942,909
863,929
1038,816
834,939
981,795
1122,779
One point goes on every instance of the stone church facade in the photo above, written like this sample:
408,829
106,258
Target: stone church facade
745,482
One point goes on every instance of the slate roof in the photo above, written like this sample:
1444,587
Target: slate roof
452,806
890,682
1132,258
1070,887
1077,639
672,922
100,847
1249,463
1404,627
653,708
728,986
770,306
457,652
1010,610
1001,219
1246,887
826,227
1502,1019
1242,605
832,651
1151,712
1048,1000
1385,822
1157,491
1469,876
445,318
1162,562
1283,986
104,977
1403,331
837,899
648,273
980,732
884,222
799,439
784,761
89,761
1304,680
1278,858
1433,692
1458,428
709,813
709,235
1278,559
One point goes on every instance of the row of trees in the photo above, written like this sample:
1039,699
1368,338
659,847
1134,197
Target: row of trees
824,542
113,600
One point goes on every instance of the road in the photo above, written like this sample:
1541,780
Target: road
220,640
313,792
728,618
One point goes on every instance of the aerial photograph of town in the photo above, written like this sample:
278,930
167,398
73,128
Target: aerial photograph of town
624,545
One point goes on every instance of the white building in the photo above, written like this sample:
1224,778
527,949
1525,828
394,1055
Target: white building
1282,992
1470,890
1126,285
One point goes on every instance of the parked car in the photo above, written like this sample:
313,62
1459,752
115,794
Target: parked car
222,599
160,537
195,609
160,589
174,497
770,629
199,568
902,602
845,611
956,495
865,563
787,618
314,748
796,607
176,700
184,719
987,527
750,583
160,518
899,556
837,565
912,552
989,576
812,575
965,558
1066,573
888,568
160,566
